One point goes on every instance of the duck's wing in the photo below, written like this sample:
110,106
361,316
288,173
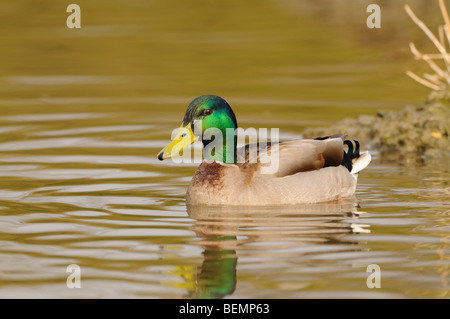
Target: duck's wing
249,153
291,157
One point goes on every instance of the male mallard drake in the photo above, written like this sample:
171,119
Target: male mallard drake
308,171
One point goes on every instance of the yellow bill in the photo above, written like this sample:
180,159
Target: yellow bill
183,139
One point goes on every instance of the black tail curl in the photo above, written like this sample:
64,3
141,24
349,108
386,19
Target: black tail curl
352,152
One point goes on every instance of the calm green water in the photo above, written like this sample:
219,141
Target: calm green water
83,114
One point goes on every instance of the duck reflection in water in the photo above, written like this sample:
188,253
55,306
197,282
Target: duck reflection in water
227,233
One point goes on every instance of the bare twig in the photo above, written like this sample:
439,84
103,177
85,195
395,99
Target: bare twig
426,58
423,81
432,78
446,27
440,80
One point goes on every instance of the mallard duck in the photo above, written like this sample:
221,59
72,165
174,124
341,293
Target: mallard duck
307,170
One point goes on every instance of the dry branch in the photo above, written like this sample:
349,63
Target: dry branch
440,80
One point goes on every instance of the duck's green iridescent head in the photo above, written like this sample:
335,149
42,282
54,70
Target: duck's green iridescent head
214,113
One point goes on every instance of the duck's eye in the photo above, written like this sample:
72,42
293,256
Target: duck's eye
207,112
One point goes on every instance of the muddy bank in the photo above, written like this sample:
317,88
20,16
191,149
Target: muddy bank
422,130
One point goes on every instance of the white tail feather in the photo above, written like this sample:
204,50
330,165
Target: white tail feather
360,163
